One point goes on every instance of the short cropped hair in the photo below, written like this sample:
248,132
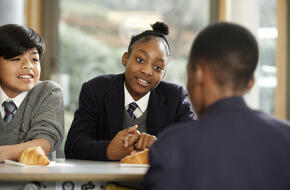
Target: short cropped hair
16,39
229,50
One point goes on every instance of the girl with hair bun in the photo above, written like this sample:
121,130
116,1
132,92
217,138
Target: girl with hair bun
121,114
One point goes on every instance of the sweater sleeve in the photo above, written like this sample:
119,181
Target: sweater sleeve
47,119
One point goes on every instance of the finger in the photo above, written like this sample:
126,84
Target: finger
132,129
133,138
131,148
133,152
136,132
145,141
126,140
115,150
140,141
125,143
151,141
129,130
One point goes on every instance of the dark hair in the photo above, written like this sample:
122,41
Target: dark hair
230,51
16,39
160,29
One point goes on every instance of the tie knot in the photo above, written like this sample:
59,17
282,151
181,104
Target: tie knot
133,106
9,106
131,109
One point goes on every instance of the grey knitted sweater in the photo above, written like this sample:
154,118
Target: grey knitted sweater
40,115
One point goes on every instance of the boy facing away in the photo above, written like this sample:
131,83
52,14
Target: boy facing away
230,146
112,106
31,111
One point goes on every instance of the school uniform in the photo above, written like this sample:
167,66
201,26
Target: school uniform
229,147
101,114
39,114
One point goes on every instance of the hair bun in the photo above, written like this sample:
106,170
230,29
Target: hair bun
161,28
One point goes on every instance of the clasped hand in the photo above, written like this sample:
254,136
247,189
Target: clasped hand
128,141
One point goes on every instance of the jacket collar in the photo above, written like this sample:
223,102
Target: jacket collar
115,107
235,102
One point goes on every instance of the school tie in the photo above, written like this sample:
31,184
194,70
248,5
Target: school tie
131,109
9,108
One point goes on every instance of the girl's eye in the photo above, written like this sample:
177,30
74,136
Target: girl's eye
139,60
158,68
35,60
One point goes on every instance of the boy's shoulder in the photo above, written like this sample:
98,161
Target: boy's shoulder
45,87
43,90
182,131
47,84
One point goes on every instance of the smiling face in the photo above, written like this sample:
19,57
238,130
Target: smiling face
145,67
20,73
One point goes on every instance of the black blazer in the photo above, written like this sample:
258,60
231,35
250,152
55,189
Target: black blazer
230,147
100,115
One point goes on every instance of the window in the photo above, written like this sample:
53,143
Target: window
267,35
259,16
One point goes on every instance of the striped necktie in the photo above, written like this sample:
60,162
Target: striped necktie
131,109
9,108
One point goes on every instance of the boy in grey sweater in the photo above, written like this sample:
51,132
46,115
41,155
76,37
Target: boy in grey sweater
31,111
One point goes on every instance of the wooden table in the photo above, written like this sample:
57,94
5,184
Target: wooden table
73,170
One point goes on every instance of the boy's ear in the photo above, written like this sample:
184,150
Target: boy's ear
199,74
125,59
251,83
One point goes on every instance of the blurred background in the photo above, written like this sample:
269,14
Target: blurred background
87,38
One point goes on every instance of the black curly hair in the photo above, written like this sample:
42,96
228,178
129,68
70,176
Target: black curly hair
160,29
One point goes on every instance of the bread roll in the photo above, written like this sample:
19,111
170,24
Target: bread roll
138,158
33,156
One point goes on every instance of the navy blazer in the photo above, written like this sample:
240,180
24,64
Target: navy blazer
100,115
230,147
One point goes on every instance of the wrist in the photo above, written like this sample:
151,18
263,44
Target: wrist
3,153
109,154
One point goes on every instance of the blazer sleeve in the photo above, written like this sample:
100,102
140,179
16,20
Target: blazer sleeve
184,111
82,140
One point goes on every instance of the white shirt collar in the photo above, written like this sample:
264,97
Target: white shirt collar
142,102
17,100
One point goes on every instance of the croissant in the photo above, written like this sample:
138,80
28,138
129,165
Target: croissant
138,158
33,156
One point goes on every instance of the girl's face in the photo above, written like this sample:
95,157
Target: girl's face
145,67
20,73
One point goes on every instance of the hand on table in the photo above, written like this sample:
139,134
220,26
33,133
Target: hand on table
139,141
117,149
144,141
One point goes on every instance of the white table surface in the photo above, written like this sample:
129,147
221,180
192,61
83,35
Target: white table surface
73,170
